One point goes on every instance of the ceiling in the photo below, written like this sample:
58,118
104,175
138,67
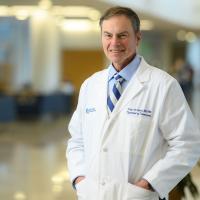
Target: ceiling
181,12
161,22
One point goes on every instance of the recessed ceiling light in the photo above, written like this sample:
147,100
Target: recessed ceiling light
77,25
45,4
19,196
4,11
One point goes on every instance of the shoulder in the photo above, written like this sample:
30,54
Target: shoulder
158,74
157,77
166,84
98,75
95,78
161,75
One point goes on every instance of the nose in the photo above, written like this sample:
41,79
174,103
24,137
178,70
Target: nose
115,41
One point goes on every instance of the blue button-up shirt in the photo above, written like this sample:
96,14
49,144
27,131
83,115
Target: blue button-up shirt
127,73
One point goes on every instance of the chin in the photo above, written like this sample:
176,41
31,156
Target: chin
114,61
116,58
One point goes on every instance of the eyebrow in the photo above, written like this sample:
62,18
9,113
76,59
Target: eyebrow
106,32
124,32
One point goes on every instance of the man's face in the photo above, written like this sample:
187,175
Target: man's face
119,40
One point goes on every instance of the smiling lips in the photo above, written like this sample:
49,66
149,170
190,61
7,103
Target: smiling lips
116,50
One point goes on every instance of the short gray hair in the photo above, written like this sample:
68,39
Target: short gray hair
117,11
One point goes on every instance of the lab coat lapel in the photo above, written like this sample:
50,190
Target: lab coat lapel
135,86
102,86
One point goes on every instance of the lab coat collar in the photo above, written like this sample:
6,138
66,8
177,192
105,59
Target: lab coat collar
102,82
135,86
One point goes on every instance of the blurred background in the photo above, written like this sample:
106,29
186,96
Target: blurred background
47,49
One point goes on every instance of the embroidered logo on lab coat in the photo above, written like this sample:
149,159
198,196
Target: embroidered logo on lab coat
137,111
89,110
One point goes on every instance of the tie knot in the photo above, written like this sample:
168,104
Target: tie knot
118,78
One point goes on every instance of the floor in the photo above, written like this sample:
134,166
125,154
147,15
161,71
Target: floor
32,159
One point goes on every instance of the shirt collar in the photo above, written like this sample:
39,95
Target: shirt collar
128,71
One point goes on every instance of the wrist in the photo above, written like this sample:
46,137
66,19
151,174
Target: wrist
78,179
150,187
144,184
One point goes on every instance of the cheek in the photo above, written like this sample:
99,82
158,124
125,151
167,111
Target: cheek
105,48
131,46
105,44
128,44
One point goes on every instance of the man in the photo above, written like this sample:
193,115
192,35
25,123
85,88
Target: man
133,134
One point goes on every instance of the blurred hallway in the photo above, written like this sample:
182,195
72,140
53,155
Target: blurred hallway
32,159
43,44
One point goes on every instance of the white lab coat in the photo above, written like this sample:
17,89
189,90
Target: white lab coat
150,134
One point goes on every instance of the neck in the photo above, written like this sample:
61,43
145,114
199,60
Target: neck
120,66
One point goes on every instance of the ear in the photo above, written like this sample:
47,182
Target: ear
138,37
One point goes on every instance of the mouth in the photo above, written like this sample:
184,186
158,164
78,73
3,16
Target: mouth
116,50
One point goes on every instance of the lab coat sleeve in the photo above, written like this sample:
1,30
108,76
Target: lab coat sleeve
75,147
179,129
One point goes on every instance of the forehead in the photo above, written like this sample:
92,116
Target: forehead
117,24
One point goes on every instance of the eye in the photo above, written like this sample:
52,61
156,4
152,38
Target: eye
122,36
107,35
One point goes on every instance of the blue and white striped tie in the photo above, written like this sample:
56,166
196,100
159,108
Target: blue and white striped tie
116,92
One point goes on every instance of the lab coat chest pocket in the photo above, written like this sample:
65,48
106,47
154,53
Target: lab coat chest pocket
90,114
92,122
90,119
140,133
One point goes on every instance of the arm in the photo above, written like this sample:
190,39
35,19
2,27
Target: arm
179,129
75,148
